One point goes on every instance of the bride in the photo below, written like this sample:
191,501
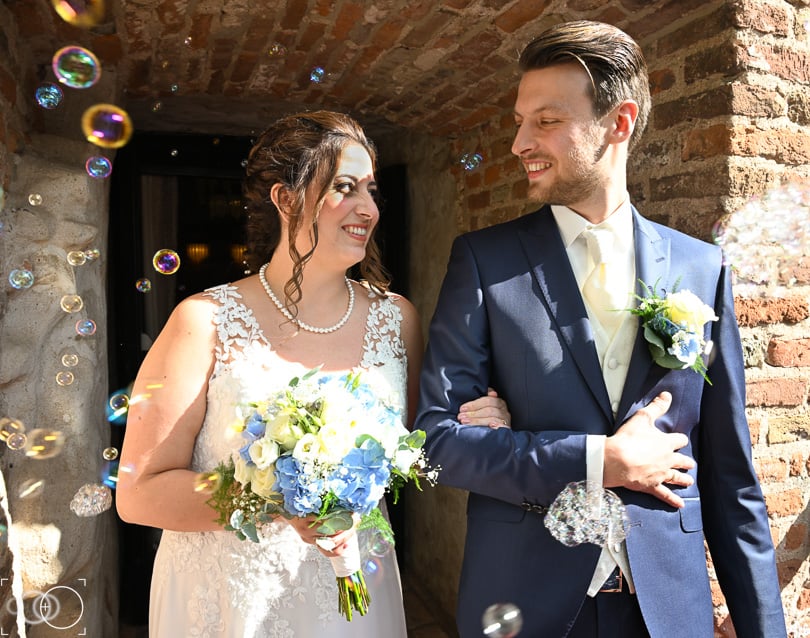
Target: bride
312,214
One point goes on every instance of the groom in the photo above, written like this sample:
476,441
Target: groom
537,309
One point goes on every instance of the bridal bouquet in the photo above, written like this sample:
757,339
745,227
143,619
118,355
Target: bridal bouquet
673,327
326,445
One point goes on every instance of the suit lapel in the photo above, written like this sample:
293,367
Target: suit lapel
551,268
652,268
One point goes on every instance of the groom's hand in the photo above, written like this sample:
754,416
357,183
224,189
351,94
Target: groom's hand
642,458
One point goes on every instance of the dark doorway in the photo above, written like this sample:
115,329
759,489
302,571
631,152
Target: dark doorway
183,192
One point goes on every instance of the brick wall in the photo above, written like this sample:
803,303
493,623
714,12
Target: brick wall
730,120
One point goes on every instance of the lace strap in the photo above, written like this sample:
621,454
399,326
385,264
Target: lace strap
235,324
383,340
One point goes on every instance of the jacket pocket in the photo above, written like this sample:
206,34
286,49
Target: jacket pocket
691,516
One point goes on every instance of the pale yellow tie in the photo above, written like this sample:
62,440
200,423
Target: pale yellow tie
600,287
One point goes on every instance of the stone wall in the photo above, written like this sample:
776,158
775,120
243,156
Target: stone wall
729,121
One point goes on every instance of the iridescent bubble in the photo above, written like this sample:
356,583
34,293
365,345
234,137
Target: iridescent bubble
277,50
317,75
49,95
373,570
16,441
9,427
77,67
35,199
85,327
207,482
92,254
766,237
157,106
21,278
107,125
31,488
188,41
91,500
166,261
471,161
110,453
70,359
584,512
109,474
65,377
502,620
378,544
76,258
174,152
143,285
44,444
119,401
80,13
98,166
174,88
71,303
244,163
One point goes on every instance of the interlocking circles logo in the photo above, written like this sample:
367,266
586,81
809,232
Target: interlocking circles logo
60,607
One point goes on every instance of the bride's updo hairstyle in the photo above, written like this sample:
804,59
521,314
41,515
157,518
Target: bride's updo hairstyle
298,151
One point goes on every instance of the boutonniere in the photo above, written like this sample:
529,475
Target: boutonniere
673,327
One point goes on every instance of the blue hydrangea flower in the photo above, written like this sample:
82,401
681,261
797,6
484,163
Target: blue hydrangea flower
686,347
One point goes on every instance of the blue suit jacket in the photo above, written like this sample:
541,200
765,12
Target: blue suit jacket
510,316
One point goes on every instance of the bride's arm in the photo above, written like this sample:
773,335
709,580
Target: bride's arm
411,332
167,407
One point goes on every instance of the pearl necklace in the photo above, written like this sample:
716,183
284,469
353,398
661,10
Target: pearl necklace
298,322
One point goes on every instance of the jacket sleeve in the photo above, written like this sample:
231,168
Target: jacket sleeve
519,466
734,514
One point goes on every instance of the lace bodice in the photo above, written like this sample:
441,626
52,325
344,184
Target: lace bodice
280,587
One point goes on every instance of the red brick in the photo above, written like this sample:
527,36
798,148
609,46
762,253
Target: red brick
787,570
796,536
785,502
661,80
702,143
478,201
200,30
762,17
108,48
777,392
422,33
294,16
798,464
790,353
803,602
761,311
771,470
519,14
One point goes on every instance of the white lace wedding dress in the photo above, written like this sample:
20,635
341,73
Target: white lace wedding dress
211,584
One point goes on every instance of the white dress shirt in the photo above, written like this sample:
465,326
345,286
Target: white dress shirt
614,354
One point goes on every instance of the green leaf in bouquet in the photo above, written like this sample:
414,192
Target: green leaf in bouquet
334,522
249,530
416,438
376,521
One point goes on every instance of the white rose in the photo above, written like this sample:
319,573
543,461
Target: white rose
686,309
308,448
282,430
243,473
404,459
263,452
336,441
263,481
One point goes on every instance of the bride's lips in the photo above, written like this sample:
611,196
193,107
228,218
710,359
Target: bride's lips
357,231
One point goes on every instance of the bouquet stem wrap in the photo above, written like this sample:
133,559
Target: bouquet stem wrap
352,591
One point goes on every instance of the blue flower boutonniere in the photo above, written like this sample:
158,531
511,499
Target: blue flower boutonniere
673,327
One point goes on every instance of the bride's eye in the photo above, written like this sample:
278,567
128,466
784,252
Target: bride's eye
344,188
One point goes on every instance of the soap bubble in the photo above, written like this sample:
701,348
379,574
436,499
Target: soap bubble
70,359
117,407
174,88
80,13
71,303
110,453
119,401
65,377
317,75
91,500
16,441
98,166
76,67
207,482
143,285
156,106
85,327
277,50
166,261
107,125
31,488
584,512
188,41
21,278
35,199
502,620
174,152
48,95
471,161
92,254
76,258
766,236
9,427
44,444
